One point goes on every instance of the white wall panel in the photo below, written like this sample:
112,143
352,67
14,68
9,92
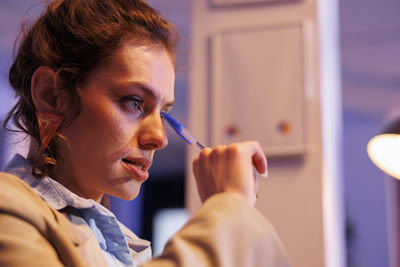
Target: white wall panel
258,73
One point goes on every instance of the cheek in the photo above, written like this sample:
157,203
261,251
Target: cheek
98,131
116,135
109,131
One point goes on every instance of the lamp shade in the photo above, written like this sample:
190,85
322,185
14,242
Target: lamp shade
384,150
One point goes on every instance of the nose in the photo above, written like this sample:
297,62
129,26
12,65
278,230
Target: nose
152,134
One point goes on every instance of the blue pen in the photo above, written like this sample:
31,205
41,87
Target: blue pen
189,138
182,131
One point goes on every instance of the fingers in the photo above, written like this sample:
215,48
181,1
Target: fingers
202,172
258,157
232,168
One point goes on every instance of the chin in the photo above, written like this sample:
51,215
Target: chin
127,192
128,197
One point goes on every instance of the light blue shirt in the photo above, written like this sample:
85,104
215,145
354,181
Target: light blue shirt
121,247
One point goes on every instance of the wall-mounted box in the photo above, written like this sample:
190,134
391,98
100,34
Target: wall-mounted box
258,87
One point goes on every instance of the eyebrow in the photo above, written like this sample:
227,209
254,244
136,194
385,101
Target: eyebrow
147,91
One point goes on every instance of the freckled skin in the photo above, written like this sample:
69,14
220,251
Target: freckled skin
112,126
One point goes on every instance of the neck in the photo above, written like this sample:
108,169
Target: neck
63,174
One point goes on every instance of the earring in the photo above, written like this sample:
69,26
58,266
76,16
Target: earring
48,126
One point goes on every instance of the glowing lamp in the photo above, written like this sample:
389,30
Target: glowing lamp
384,150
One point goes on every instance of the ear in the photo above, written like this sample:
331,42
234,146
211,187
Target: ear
43,90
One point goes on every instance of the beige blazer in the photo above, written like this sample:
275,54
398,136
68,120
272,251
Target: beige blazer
34,234
224,232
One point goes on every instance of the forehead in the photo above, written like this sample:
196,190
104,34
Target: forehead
149,65
131,59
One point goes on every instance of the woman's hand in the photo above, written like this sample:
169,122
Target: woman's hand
230,168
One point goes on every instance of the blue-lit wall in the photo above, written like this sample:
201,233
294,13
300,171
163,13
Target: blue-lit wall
370,55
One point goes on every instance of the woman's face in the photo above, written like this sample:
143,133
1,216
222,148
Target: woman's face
113,139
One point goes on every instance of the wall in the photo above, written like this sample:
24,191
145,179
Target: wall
292,198
11,14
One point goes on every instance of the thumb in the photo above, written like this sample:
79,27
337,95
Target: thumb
259,159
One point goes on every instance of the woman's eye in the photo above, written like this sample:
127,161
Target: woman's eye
133,102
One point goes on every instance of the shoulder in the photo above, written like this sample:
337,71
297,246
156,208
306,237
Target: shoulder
31,232
13,187
19,199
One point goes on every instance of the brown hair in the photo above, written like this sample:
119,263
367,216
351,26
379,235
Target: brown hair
71,38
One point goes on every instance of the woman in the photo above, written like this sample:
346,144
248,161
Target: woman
92,79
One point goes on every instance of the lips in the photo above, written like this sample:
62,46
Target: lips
137,164
137,167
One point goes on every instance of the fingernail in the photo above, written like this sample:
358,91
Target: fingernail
264,175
